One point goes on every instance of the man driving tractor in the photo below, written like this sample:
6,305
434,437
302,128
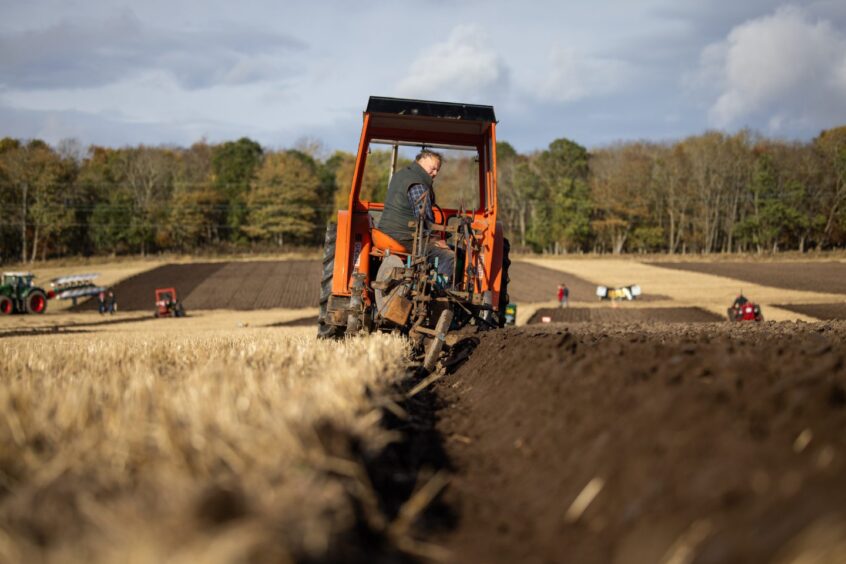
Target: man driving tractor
411,197
382,278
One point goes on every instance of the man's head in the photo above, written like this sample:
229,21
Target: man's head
430,161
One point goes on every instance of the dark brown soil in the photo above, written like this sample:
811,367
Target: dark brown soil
622,314
137,293
829,277
294,284
533,283
712,442
235,285
259,285
820,311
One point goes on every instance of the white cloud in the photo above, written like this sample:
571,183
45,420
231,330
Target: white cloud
573,75
100,51
783,69
461,68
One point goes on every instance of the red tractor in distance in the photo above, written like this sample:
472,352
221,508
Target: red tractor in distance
167,305
744,310
371,282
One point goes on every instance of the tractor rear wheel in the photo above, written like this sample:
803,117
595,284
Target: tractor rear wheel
325,330
503,285
36,302
6,305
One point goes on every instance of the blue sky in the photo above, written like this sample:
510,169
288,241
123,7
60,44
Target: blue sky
283,72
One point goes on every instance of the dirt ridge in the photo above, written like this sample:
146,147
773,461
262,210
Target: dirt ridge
621,314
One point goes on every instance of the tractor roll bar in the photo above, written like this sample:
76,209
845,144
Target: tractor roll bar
421,145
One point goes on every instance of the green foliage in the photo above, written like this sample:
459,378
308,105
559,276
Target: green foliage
561,215
110,224
234,165
283,198
648,239
505,152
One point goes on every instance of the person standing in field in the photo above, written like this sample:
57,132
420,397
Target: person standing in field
563,295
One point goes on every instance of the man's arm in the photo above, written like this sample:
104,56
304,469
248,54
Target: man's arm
418,198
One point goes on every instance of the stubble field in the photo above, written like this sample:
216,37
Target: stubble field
207,447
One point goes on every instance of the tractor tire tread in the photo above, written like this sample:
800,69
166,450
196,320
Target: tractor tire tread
28,306
504,298
324,330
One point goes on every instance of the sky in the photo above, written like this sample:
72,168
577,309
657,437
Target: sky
286,73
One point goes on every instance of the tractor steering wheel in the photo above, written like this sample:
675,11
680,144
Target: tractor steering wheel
443,219
441,212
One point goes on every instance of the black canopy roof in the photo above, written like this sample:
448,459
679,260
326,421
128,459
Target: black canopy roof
427,108
424,122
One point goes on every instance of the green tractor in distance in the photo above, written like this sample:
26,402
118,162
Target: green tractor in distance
19,295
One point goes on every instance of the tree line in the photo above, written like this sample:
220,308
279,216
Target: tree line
704,194
707,193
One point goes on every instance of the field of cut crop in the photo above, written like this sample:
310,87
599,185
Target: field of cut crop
213,446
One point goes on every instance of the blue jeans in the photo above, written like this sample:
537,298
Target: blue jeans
446,259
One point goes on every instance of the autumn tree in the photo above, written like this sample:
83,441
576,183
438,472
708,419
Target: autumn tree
35,177
517,189
197,210
147,175
283,198
830,145
621,179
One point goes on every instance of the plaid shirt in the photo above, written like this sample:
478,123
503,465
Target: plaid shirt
417,194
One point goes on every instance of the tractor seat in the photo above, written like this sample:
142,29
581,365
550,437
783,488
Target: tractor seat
385,242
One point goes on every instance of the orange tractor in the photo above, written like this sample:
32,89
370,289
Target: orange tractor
167,304
371,282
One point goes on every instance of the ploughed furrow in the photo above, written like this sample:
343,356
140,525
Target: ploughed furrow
622,314
259,285
248,285
649,442
820,311
137,293
533,283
